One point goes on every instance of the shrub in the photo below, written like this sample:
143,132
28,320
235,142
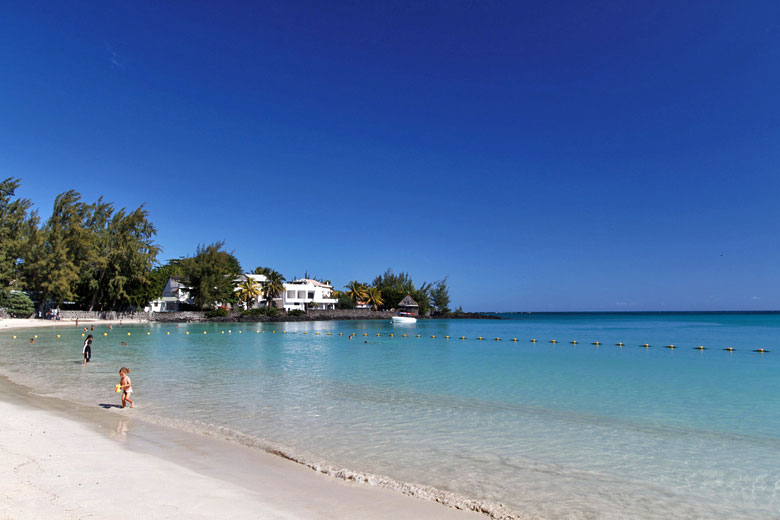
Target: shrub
18,304
271,311
296,312
218,313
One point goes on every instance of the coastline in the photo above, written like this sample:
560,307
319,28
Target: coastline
197,317
73,461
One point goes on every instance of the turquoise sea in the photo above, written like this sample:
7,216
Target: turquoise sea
550,430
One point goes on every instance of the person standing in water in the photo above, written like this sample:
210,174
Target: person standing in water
125,385
86,350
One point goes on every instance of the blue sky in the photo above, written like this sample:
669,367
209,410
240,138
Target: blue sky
545,156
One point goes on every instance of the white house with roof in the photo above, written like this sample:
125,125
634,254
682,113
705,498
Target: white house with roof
174,294
307,294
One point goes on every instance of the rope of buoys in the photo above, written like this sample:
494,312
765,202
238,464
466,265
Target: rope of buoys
700,348
761,350
729,349
670,346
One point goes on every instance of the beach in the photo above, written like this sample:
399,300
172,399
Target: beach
32,323
63,460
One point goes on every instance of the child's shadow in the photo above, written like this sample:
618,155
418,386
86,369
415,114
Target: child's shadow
107,406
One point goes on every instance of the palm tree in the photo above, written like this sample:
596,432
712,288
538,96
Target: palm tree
274,286
374,297
356,292
248,290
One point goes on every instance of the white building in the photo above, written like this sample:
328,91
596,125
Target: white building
174,294
307,294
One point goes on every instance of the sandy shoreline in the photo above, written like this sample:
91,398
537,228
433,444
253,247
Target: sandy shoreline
65,460
31,323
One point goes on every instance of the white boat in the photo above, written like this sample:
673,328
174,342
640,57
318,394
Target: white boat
404,319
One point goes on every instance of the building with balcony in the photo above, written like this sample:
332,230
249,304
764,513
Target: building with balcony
307,294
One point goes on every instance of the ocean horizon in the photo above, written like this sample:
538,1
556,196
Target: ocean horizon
578,427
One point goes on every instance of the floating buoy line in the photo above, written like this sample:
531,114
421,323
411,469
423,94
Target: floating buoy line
760,350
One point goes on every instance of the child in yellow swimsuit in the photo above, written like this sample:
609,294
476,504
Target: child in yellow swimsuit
124,384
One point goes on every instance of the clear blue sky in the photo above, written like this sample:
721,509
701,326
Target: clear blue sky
543,155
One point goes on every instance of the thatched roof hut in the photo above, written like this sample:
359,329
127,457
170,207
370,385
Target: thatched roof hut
408,305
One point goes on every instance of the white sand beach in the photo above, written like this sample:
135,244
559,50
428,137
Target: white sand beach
63,460
28,323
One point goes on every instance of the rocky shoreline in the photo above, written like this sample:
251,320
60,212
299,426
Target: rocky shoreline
335,315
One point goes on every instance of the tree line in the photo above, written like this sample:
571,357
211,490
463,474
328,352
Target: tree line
94,256
388,289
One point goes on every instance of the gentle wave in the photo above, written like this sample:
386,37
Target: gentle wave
493,510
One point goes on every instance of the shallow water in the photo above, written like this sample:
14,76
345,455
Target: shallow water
552,430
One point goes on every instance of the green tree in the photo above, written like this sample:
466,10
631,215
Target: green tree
422,295
13,221
118,267
210,274
356,291
394,287
440,297
374,297
18,304
274,286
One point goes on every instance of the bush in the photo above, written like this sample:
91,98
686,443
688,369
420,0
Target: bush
218,313
296,312
271,311
18,304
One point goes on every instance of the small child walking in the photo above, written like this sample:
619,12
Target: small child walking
124,384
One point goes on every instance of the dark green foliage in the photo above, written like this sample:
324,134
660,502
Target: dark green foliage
440,297
210,274
394,287
89,253
17,304
296,312
14,226
345,301
217,313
